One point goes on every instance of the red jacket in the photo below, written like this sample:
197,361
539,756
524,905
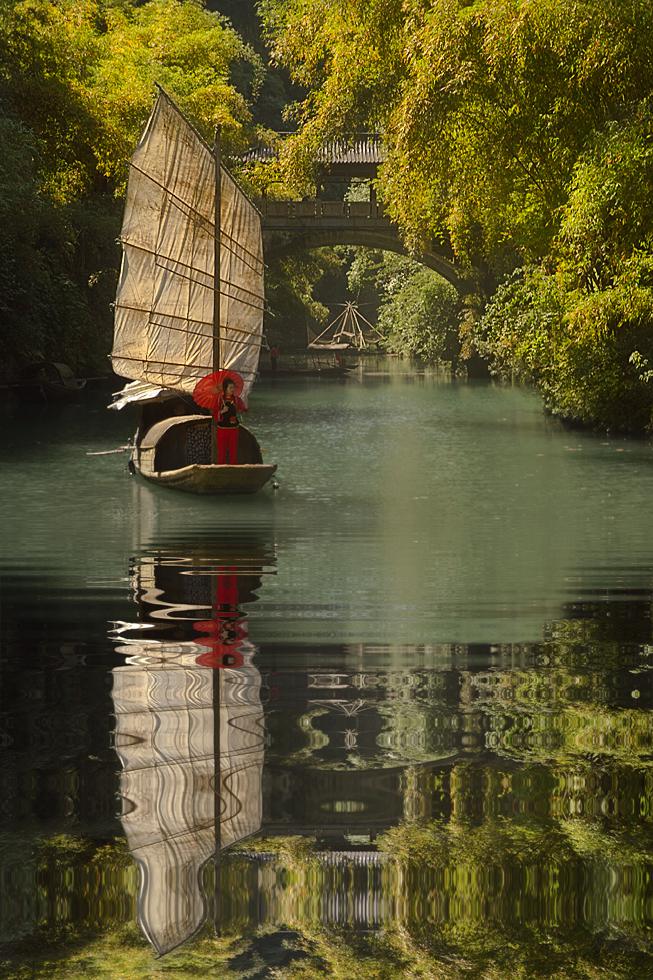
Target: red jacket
229,419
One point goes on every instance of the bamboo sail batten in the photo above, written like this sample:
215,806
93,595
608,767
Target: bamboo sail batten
169,263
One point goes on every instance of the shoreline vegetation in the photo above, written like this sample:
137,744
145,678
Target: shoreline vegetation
519,138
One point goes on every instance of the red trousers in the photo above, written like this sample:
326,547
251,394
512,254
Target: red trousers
228,445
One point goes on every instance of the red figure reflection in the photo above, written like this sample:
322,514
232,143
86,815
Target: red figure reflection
226,632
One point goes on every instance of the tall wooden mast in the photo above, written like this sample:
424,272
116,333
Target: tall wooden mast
216,277
217,673
216,285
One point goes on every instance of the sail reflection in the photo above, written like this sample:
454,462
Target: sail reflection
189,729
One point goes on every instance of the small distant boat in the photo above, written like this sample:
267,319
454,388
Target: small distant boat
175,320
53,380
350,330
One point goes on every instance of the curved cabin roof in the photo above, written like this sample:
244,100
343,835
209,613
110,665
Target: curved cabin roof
159,429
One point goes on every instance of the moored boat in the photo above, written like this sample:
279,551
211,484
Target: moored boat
350,330
51,380
171,454
176,321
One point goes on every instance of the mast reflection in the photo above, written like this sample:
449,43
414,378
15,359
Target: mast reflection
189,727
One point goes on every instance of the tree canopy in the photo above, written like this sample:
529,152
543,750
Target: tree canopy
517,133
518,136
76,87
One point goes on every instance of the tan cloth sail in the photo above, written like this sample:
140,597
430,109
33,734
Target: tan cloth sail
165,738
164,309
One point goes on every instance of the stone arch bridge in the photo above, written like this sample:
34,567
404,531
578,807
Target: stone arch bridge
320,221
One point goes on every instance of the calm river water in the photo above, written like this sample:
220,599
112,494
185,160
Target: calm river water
419,671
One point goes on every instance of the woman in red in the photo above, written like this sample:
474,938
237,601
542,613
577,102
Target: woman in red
228,422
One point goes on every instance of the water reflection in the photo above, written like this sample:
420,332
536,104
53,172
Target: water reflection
451,670
189,727
453,801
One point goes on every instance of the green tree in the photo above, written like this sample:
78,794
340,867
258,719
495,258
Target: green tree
580,324
418,312
188,50
485,107
294,283
76,86
420,318
518,134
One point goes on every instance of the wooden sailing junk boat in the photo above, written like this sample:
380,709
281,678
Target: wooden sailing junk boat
175,320
350,330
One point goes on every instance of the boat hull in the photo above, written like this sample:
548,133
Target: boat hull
176,453
212,478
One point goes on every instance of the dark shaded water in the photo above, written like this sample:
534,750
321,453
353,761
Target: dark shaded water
419,673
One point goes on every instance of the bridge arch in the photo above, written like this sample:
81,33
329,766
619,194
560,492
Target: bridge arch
292,225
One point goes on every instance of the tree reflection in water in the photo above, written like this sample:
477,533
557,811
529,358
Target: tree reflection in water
437,811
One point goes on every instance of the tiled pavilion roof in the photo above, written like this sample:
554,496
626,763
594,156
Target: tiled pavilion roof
350,150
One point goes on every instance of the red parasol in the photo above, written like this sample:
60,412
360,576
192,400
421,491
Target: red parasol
208,390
